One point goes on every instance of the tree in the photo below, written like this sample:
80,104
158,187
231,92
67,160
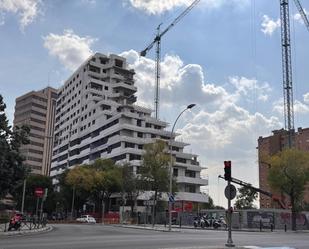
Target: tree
154,170
289,173
34,181
12,170
63,198
107,180
131,185
245,198
99,180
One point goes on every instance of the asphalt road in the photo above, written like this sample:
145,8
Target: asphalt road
84,236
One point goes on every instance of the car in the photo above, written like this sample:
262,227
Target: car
86,219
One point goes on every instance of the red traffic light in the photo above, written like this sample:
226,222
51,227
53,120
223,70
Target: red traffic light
227,164
227,170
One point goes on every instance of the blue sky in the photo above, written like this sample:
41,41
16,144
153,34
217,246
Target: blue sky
225,56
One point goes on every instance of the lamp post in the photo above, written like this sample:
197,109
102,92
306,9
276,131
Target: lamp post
171,169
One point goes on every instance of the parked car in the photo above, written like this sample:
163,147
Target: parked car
86,219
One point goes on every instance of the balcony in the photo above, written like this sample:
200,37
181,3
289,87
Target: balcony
192,180
195,197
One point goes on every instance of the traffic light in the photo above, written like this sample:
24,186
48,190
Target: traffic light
227,170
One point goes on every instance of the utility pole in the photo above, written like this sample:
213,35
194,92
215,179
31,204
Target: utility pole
23,198
228,177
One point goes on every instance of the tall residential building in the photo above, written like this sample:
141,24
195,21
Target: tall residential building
272,145
37,110
96,118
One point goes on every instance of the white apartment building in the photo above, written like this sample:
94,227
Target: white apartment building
96,118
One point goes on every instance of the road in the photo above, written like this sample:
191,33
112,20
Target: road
84,236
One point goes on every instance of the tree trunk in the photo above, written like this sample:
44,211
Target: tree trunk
294,212
154,209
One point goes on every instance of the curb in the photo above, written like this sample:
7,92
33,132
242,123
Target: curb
163,229
25,232
157,229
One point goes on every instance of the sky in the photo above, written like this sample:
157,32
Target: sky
224,56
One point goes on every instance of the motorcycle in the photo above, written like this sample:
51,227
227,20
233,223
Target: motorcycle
201,222
219,223
15,222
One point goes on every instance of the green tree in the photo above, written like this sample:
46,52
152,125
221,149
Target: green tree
32,182
12,170
107,180
245,198
131,185
154,170
63,198
289,173
99,180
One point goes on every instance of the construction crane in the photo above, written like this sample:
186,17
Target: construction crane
302,13
157,41
287,69
287,64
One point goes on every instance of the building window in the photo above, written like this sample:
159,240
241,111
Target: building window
190,188
175,172
190,173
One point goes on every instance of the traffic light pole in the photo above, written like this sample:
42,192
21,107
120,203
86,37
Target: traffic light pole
229,242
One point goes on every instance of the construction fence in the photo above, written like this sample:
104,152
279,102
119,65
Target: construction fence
241,219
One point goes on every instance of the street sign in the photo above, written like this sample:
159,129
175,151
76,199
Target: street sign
149,203
39,192
230,192
171,199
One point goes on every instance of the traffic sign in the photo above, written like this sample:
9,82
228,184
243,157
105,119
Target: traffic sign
171,199
230,192
39,192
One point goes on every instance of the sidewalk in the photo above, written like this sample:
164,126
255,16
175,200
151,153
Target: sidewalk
176,228
24,231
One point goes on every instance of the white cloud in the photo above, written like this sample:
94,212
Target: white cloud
179,83
69,48
269,26
297,17
90,3
299,107
306,97
154,7
27,10
245,86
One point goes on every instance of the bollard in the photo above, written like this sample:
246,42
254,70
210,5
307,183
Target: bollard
285,227
180,221
271,227
260,225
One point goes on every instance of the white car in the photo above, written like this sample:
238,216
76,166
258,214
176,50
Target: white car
86,218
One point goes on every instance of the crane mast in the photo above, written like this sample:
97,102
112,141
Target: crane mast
157,41
287,69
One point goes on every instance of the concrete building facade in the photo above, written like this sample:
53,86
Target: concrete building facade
96,117
37,110
272,145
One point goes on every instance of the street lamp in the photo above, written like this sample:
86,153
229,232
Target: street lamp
171,169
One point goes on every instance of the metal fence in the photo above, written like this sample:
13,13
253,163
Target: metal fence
28,223
241,219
